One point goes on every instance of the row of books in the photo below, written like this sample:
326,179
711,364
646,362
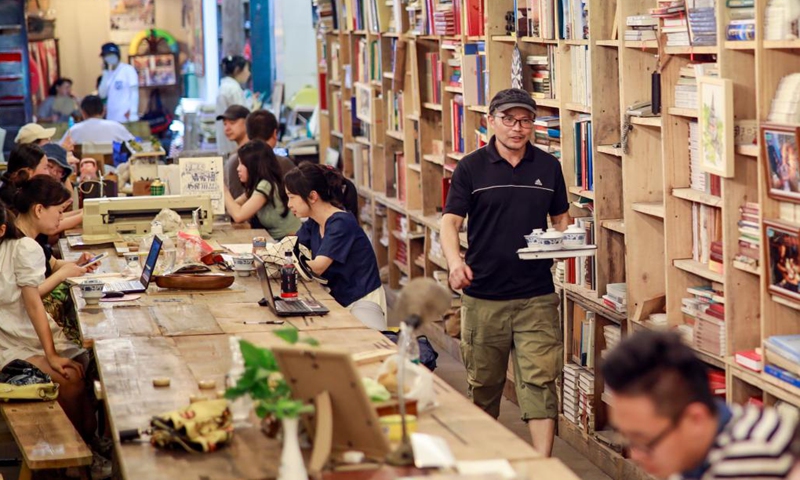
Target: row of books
582,271
547,134
569,396
742,24
704,311
457,123
782,20
551,19
581,75
785,108
543,74
368,64
703,23
433,77
706,229
749,251
640,28
394,111
325,14
584,158
582,342
474,75
686,86
362,166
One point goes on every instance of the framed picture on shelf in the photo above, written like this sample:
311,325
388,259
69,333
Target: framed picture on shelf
716,125
781,161
155,70
783,258
363,102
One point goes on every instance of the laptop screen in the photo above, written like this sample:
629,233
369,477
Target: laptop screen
266,287
150,263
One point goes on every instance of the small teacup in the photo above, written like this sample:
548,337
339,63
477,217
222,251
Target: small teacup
92,291
243,264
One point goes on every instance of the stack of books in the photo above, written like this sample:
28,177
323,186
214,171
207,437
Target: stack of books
703,23
750,359
582,271
612,335
673,21
749,251
586,400
547,135
785,108
541,16
742,25
686,88
569,398
781,19
444,20
454,63
616,297
717,382
433,77
668,8
581,75
705,312
715,260
540,76
641,28
783,358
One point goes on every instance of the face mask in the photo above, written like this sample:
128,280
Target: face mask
111,60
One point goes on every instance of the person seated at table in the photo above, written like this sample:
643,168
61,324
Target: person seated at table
60,104
342,253
25,161
60,169
35,134
233,121
264,196
94,128
262,125
27,332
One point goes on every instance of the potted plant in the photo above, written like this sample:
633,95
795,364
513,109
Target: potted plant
263,382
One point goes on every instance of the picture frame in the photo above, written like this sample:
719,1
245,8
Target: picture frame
363,103
781,160
783,258
157,70
715,118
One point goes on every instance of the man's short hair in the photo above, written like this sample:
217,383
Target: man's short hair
92,105
660,366
261,125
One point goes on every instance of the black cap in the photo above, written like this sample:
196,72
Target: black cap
234,112
512,98
56,153
110,47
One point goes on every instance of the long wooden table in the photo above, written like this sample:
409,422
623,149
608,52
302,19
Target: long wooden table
184,336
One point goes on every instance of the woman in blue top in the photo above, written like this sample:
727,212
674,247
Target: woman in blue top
342,254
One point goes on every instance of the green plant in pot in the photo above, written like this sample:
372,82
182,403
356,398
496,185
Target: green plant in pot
272,398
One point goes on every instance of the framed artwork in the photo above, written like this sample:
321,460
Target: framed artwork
155,70
781,161
363,102
783,258
716,125
129,17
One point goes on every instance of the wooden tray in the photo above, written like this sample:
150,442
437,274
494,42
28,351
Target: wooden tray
204,281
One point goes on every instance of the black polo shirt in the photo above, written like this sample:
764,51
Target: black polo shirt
504,204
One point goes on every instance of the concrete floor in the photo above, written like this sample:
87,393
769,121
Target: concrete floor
452,371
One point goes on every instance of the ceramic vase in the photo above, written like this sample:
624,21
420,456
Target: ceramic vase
292,465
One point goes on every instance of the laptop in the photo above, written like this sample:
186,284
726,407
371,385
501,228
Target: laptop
281,307
139,286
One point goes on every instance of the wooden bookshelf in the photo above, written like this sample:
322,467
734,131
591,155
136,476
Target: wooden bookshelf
643,225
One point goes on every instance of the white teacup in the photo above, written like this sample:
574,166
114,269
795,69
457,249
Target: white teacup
243,264
92,291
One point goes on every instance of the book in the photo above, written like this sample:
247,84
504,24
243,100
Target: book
782,375
786,345
750,359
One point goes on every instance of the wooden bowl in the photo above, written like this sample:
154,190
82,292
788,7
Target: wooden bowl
203,281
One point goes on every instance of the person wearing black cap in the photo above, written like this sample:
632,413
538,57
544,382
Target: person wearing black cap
119,86
233,121
508,188
59,168
235,72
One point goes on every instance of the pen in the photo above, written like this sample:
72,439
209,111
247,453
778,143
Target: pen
266,322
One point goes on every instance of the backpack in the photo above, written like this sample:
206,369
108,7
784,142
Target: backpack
427,355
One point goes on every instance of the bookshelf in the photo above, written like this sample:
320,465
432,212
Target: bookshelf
428,95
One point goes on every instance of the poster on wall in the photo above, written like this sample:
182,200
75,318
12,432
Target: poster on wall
155,70
193,23
128,17
203,176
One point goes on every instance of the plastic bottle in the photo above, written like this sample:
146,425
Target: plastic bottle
166,259
288,277
70,122
241,407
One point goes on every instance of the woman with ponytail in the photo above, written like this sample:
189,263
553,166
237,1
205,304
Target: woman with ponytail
342,253
27,332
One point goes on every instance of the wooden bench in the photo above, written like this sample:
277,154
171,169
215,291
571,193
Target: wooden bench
45,436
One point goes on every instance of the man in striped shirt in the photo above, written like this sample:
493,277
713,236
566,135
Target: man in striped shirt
674,426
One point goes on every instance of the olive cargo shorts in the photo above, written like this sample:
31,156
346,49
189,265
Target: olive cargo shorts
532,326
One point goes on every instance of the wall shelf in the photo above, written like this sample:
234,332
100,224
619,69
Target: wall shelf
697,196
699,269
654,209
614,225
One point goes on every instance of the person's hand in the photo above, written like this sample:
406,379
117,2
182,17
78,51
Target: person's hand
69,270
85,257
66,367
460,276
69,146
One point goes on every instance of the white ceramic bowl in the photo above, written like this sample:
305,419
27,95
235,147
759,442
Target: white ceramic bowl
532,240
574,239
243,264
547,242
92,291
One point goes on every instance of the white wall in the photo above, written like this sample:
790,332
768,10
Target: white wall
295,48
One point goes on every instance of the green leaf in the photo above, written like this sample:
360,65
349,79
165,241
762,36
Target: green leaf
255,356
310,341
288,335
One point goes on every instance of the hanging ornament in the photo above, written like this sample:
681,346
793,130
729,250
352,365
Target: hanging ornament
516,68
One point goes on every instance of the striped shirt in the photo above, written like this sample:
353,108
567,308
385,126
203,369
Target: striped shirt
753,445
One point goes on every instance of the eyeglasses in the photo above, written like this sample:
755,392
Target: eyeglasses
509,121
649,446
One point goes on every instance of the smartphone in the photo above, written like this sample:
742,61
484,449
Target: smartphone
94,259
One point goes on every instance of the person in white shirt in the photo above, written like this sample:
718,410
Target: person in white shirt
94,128
236,71
119,86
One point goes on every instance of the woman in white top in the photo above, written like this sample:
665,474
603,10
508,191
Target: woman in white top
27,332
236,71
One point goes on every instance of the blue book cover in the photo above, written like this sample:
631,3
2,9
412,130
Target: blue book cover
782,375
